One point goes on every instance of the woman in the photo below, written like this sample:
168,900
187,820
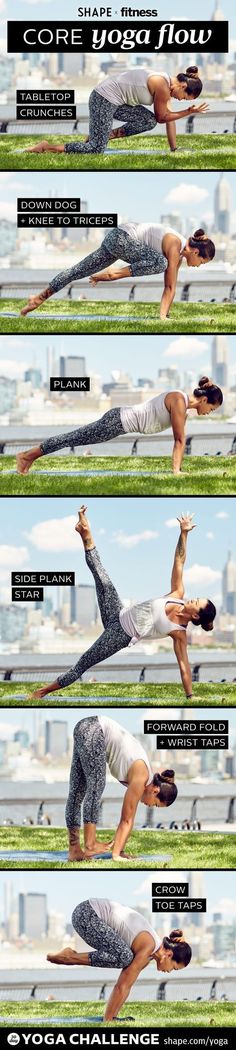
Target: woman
122,939
99,741
148,417
156,618
124,97
147,248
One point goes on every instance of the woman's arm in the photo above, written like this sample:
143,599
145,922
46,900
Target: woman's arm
132,798
186,525
170,281
178,417
180,648
171,135
163,113
125,982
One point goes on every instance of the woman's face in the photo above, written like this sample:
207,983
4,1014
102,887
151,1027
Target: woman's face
180,92
150,796
204,408
194,259
165,961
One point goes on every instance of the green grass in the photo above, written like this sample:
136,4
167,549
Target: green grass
201,849
185,317
200,475
171,695
147,1014
204,152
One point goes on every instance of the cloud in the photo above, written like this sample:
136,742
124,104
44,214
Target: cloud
132,540
8,210
222,514
12,369
184,347
210,535
172,523
186,193
12,557
226,906
201,574
56,534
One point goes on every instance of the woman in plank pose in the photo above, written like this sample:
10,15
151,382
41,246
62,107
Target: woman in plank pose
146,248
148,417
122,939
124,97
98,741
156,618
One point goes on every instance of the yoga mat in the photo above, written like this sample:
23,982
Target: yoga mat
145,152
76,317
62,855
87,473
60,1020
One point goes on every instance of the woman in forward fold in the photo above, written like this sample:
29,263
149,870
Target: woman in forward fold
98,741
122,939
156,618
124,97
146,248
148,417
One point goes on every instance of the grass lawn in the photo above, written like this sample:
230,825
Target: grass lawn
147,1014
185,317
199,849
211,475
197,152
111,693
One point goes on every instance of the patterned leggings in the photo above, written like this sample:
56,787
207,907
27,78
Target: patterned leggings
111,950
117,244
114,637
88,773
104,429
101,115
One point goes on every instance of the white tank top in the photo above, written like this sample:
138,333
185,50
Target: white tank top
129,88
124,920
148,417
151,234
122,750
149,619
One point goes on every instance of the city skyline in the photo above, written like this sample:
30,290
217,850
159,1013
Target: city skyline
132,721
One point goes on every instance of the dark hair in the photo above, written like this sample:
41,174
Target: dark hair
212,393
206,616
181,951
205,247
168,790
192,81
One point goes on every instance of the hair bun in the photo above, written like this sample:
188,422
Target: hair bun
209,626
169,775
204,382
176,935
199,235
192,71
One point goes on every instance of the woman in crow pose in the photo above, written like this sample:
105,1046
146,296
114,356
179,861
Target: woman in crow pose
148,417
155,618
122,939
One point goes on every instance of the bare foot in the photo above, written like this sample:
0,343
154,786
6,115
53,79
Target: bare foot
104,275
67,957
82,526
33,302
117,133
24,460
44,147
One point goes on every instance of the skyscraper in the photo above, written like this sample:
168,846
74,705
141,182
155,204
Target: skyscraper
220,360
72,366
56,738
84,609
33,919
229,586
222,205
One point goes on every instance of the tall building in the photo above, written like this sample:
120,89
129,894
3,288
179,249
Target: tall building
12,622
33,919
34,376
229,586
220,360
222,205
56,738
72,366
84,609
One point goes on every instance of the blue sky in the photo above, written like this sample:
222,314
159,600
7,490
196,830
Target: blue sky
133,721
66,889
136,539
139,357
143,197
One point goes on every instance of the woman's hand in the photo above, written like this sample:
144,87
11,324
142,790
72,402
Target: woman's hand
203,108
186,522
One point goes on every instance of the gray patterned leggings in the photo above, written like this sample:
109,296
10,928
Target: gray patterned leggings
111,950
104,429
114,637
117,244
101,115
87,774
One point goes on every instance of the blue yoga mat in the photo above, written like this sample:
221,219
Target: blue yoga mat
62,855
75,317
52,1020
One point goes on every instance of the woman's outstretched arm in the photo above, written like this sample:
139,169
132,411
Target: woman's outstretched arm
186,525
125,982
162,108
